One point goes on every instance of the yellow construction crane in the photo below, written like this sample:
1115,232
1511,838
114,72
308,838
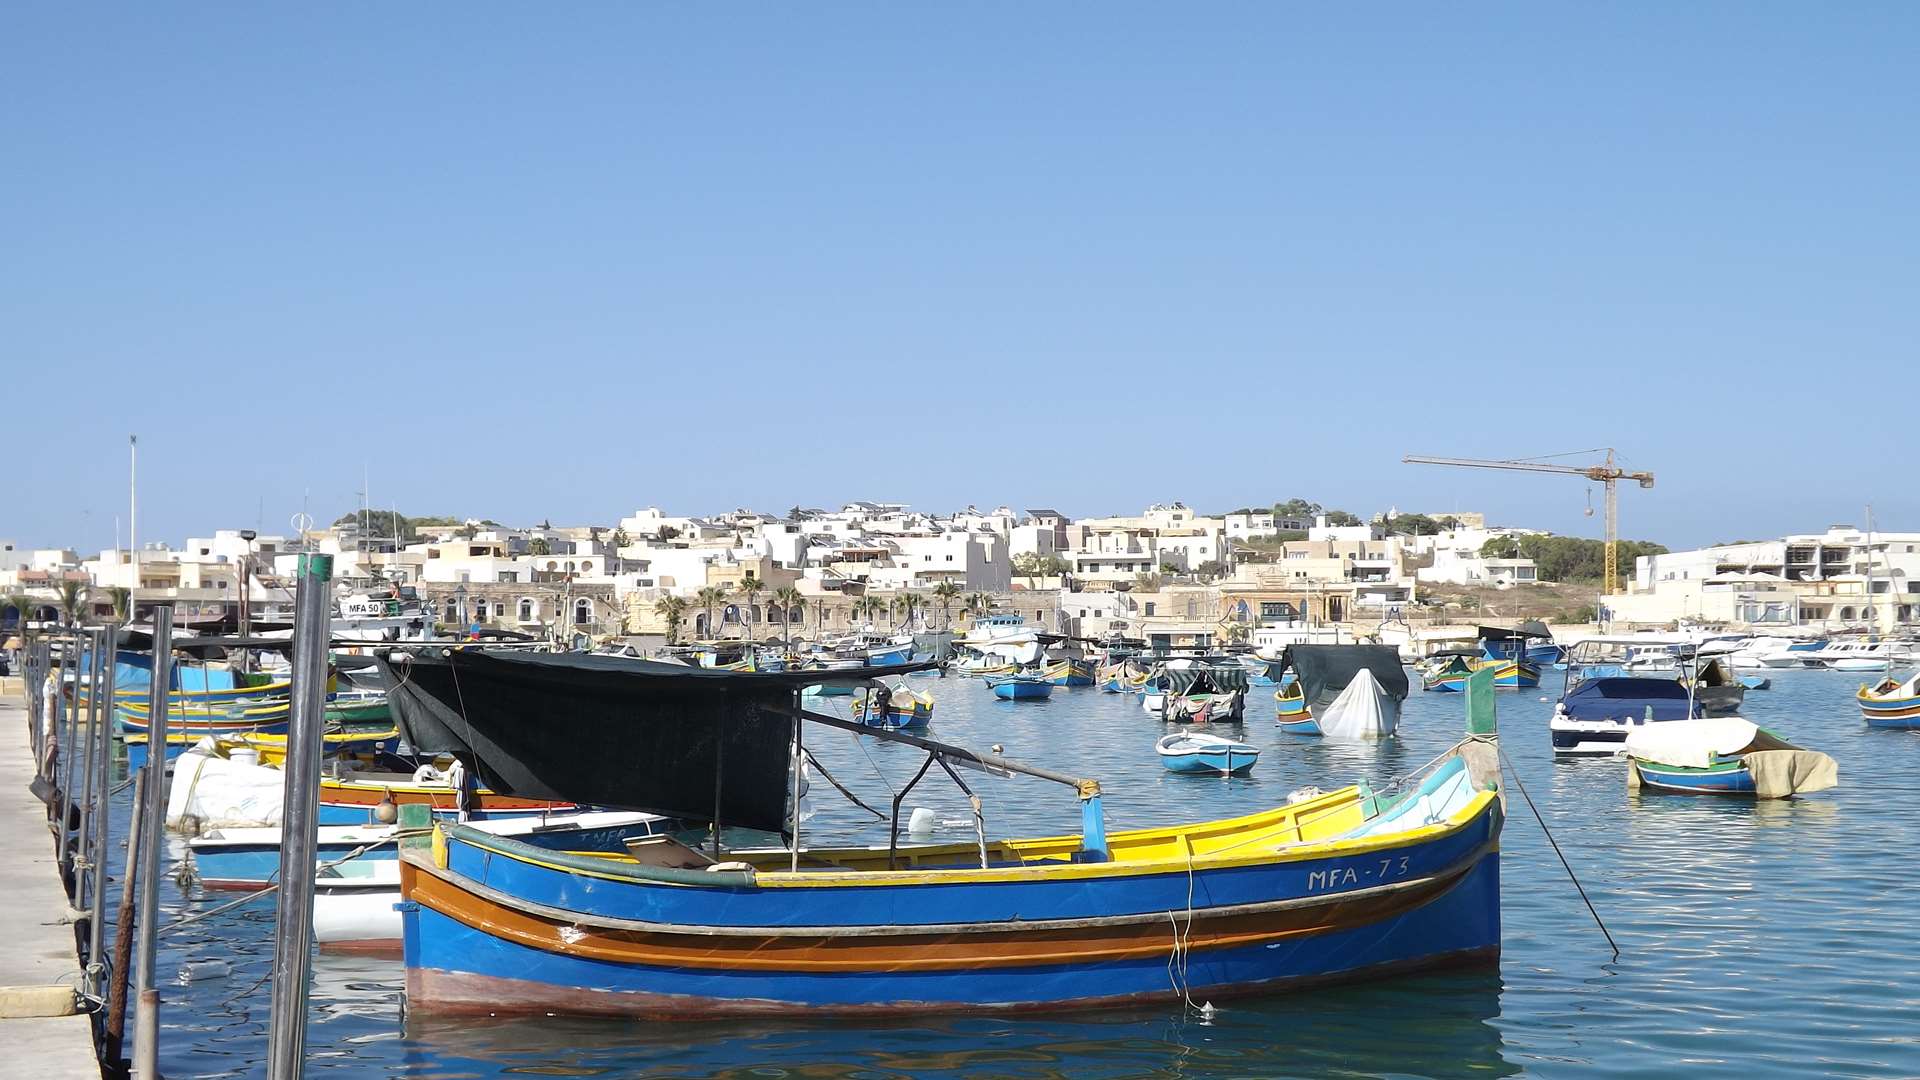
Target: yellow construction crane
1607,473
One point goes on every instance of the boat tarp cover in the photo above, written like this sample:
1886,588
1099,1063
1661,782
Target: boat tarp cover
1627,697
1779,768
609,730
1325,670
1525,630
1199,677
1362,711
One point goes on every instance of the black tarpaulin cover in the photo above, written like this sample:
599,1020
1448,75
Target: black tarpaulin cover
609,730
1529,629
1325,670
1201,677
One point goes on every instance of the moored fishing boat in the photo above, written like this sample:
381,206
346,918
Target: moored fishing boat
1019,687
1203,689
1070,671
1891,703
1723,755
1196,752
1447,672
897,706
1341,691
1349,885
237,717
1604,698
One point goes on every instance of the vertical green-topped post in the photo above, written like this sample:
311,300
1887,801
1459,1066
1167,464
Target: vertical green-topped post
299,819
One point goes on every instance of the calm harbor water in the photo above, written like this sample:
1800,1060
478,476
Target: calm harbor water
1757,939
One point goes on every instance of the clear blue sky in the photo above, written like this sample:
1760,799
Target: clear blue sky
559,262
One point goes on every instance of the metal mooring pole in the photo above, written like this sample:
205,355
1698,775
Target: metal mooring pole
103,683
299,822
153,815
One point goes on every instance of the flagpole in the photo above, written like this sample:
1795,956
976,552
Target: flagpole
133,494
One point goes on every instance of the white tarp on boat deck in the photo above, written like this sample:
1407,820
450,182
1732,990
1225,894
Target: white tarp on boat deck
1779,768
1693,744
215,791
1364,710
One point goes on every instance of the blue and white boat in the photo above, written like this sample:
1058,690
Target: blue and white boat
1020,687
1604,698
247,858
1196,752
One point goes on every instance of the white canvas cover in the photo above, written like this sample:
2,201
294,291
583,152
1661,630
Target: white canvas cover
1692,744
1364,710
217,792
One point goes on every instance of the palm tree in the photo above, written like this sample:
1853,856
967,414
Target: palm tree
674,610
709,597
122,602
539,545
790,601
903,603
748,588
978,604
73,600
23,607
946,592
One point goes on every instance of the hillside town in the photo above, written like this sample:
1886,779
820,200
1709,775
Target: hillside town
1168,575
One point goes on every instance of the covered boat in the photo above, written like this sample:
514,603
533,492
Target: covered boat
1353,884
1199,752
1607,695
1891,703
1342,691
1724,755
1200,689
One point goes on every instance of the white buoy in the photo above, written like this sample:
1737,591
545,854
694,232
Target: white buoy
921,821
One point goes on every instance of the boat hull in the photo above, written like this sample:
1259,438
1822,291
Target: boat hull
1022,691
518,943
1730,779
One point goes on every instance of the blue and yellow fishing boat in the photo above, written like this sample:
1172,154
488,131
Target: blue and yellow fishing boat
269,747
232,718
1511,674
1070,672
1447,673
1891,703
896,707
1359,883
1294,717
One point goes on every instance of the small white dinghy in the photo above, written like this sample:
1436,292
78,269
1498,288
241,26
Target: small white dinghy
353,907
1199,752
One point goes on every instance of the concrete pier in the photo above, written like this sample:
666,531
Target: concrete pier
44,1034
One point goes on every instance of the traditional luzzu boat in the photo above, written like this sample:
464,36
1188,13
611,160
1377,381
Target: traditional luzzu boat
1124,677
1891,703
1723,755
1510,674
232,718
1019,687
1201,689
1447,672
1354,884
1070,671
894,707
269,748
1196,752
1341,691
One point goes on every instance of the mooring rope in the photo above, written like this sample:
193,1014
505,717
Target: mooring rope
1571,876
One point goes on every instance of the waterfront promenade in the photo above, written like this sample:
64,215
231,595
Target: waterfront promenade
41,1029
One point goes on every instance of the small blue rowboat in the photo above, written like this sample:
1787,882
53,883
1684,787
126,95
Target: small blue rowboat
1020,687
1195,752
1891,704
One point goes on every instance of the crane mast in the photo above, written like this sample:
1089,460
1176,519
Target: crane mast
1606,474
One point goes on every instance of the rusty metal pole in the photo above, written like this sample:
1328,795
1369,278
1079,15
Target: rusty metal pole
299,820
153,818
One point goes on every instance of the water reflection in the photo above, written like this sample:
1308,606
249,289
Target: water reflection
1442,1021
